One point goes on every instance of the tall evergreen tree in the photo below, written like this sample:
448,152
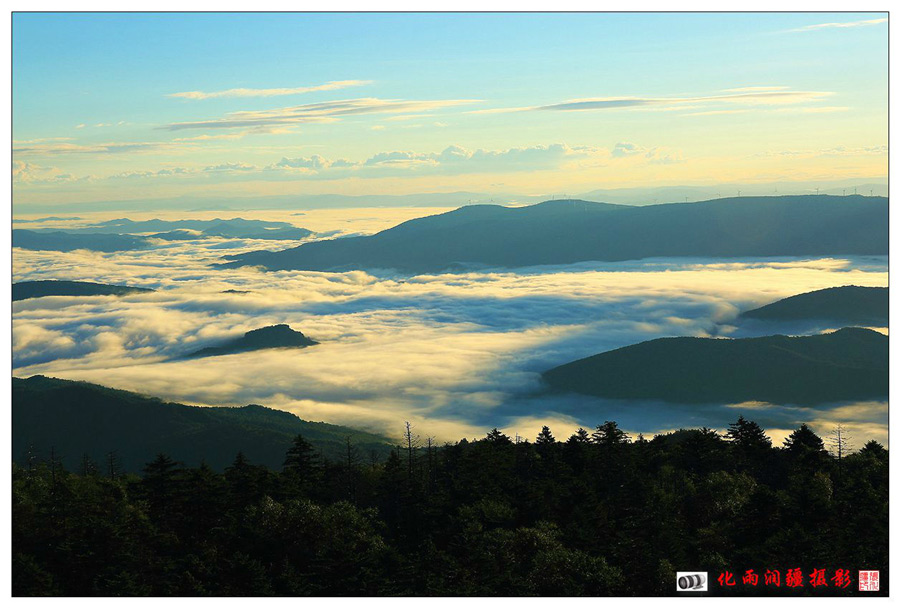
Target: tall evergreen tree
545,437
609,434
747,435
302,462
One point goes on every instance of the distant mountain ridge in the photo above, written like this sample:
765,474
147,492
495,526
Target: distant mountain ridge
846,304
76,418
25,290
59,240
196,229
849,364
273,336
570,231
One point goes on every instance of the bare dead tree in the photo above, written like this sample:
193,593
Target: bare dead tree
112,465
839,442
412,444
429,444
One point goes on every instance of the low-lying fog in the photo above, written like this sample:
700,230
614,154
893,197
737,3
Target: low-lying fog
456,354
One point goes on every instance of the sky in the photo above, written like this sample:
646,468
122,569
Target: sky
119,107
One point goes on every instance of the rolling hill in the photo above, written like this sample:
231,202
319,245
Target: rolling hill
849,304
181,229
849,364
67,241
76,418
274,336
569,231
25,290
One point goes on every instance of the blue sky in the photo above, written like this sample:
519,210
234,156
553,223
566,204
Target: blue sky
118,106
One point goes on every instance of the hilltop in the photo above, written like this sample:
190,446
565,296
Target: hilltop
570,231
849,364
847,304
25,290
77,418
273,336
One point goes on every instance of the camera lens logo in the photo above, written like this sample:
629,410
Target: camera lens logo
691,581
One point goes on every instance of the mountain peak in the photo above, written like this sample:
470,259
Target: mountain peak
272,336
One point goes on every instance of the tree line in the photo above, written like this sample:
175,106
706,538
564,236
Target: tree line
598,513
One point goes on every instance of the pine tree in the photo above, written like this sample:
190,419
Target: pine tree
609,434
495,437
747,435
803,440
302,462
545,437
580,436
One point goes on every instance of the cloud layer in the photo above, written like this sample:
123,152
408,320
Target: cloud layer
456,354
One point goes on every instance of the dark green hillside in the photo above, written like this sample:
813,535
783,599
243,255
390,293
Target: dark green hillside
76,418
847,304
569,231
38,289
851,363
274,336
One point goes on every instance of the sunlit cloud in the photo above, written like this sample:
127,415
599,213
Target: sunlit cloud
756,88
30,173
457,159
241,92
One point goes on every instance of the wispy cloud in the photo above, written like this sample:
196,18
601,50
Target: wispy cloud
714,112
328,86
329,111
755,88
62,147
751,96
836,151
40,140
839,25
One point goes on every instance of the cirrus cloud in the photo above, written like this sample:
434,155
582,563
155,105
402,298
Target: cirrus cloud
242,92
322,112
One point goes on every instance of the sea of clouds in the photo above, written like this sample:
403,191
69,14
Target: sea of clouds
455,354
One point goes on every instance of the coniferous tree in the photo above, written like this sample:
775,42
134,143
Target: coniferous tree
804,441
302,462
496,437
545,437
580,436
806,449
747,435
609,434
497,518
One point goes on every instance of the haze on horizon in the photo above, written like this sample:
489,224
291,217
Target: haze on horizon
214,107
